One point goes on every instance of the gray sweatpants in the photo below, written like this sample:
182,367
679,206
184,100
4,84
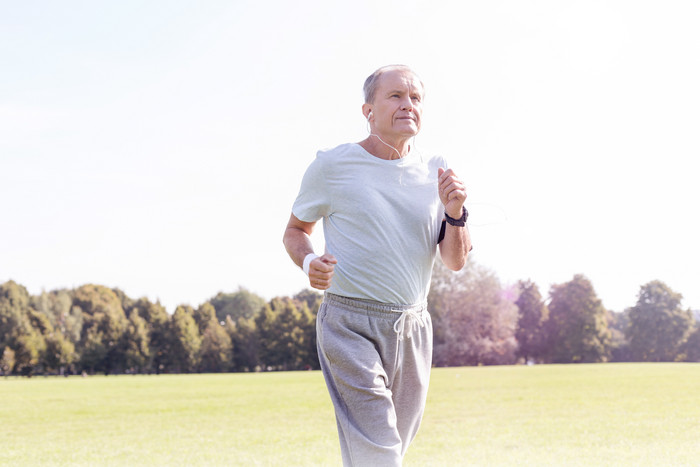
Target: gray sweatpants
376,360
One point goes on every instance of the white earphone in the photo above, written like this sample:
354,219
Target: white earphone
369,115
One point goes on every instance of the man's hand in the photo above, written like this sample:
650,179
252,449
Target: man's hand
298,244
452,192
321,271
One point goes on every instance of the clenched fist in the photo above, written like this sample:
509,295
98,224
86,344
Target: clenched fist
452,192
321,271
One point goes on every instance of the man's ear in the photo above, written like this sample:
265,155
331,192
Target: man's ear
367,110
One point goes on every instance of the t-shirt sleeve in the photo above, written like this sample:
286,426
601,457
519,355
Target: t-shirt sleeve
312,202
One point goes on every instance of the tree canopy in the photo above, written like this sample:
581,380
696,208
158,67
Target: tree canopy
474,317
658,326
577,325
477,320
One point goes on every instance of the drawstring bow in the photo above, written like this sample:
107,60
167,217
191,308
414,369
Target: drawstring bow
415,321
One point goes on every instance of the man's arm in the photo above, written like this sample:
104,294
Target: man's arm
456,244
297,241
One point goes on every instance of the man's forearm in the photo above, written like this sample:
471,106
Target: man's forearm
298,244
455,247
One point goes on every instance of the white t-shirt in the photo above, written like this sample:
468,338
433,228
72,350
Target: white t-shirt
381,220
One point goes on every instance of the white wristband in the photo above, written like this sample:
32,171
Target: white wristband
307,261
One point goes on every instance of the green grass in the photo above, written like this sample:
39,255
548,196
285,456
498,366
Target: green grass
612,414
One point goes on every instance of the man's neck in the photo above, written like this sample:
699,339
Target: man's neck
386,149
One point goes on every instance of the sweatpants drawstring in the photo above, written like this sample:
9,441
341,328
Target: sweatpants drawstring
415,321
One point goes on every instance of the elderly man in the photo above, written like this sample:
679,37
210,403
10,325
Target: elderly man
386,209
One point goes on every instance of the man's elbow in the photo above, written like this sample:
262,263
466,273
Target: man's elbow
288,237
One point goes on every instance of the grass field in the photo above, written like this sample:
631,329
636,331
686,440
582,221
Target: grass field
608,414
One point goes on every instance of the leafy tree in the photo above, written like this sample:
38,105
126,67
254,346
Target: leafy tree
187,341
577,325
203,315
658,326
56,305
94,350
159,333
60,353
691,348
136,343
217,348
474,317
618,322
73,325
7,361
104,322
246,341
241,304
285,333
230,328
14,303
126,302
28,352
532,314
271,348
312,299
309,349
39,321
22,329
49,315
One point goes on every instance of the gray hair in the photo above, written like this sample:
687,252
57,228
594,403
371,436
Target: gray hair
372,81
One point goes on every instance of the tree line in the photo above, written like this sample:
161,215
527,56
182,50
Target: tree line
476,320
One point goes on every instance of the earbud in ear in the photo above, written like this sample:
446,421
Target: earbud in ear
369,115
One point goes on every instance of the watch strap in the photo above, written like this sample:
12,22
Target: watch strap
461,222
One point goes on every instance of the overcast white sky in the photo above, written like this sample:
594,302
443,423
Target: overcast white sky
158,146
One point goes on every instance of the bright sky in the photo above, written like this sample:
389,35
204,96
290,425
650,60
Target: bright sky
158,146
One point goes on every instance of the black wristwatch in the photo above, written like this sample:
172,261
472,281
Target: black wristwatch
461,222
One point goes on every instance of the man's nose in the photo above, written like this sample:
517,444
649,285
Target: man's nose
406,104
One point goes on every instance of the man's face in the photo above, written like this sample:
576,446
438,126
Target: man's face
398,105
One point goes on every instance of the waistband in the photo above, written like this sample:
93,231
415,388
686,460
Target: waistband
374,306
412,317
